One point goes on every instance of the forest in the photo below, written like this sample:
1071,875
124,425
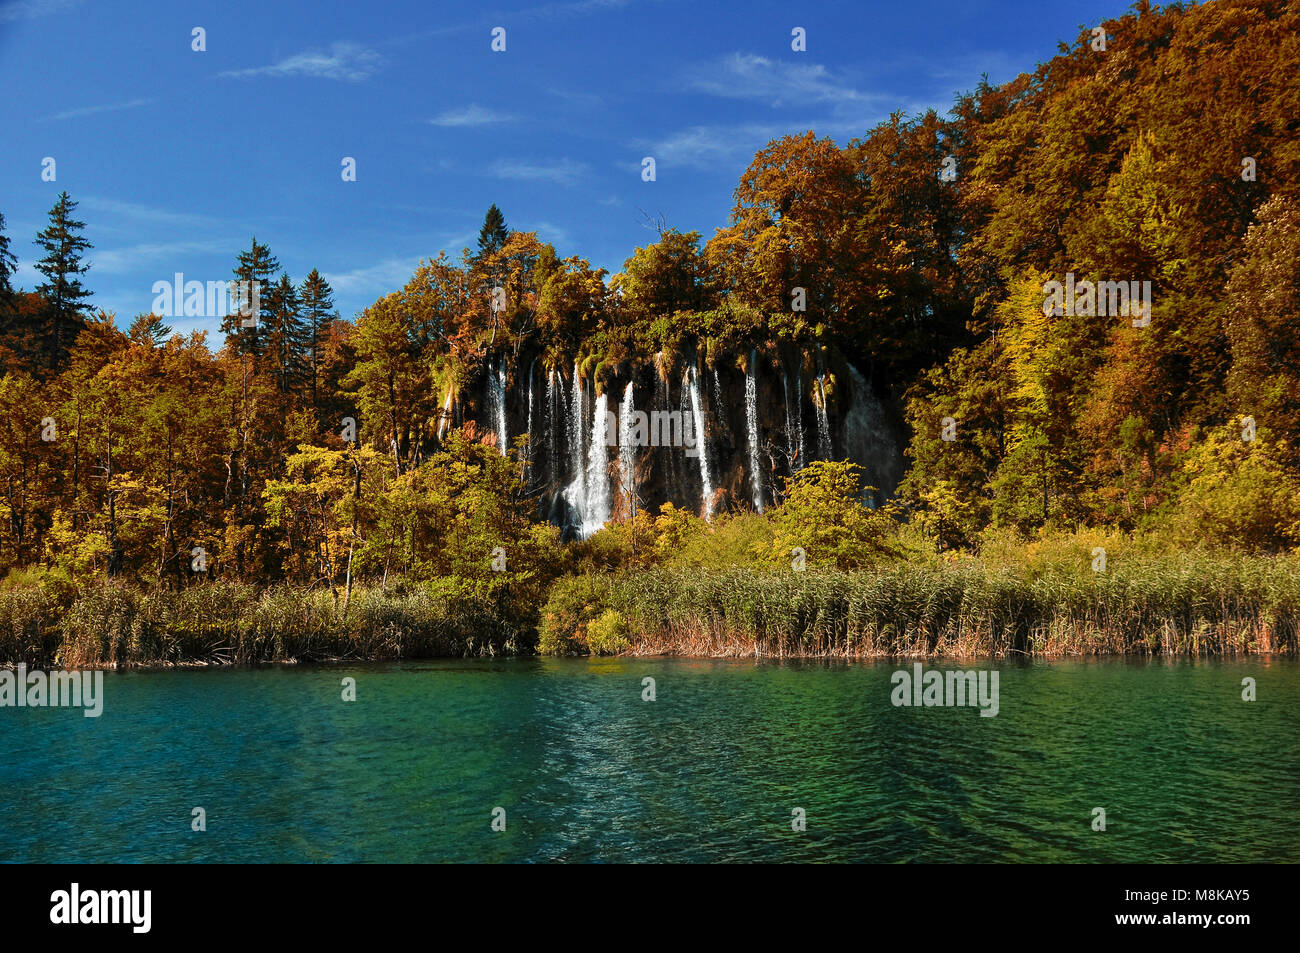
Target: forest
311,486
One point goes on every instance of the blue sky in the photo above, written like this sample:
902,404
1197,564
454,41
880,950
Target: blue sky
178,157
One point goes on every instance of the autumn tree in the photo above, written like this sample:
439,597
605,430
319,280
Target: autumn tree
665,277
149,329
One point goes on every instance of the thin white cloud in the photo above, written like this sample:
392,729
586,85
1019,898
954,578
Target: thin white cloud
546,11
135,212
471,115
724,145
561,172
557,235
343,61
26,276
714,146
31,9
749,76
94,110
374,280
577,98
166,258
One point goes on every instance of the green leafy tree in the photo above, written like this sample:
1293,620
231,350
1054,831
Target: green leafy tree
149,329
824,516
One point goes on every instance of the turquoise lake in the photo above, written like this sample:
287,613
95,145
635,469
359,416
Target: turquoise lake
711,770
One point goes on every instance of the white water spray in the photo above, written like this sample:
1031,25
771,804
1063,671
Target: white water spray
626,452
751,423
701,440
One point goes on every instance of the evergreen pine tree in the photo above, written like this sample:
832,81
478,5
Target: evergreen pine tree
62,290
8,306
256,264
286,334
493,234
8,265
317,304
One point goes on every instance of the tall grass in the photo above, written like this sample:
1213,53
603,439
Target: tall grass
228,623
1143,604
1180,606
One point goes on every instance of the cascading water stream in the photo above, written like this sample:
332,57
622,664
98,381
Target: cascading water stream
528,422
496,401
824,449
444,420
869,440
701,441
575,494
793,425
751,424
626,451
553,413
599,498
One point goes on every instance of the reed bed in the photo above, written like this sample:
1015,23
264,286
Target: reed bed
1192,605
1199,607
222,624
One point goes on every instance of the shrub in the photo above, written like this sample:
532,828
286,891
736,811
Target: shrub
572,604
29,628
608,635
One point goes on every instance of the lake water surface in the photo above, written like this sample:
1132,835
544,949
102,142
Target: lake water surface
710,771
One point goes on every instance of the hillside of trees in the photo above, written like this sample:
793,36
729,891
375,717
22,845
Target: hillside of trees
1172,157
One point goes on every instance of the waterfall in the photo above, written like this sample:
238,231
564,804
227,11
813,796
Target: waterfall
444,419
548,423
670,461
528,422
793,423
824,449
598,496
626,452
496,403
751,423
868,439
701,441
554,475
575,494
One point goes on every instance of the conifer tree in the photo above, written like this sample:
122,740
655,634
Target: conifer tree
8,265
493,234
317,305
286,335
256,264
62,290
8,304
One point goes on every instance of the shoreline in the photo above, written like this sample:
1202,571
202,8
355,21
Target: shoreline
1199,607
650,653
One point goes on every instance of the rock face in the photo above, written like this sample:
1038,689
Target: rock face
708,435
